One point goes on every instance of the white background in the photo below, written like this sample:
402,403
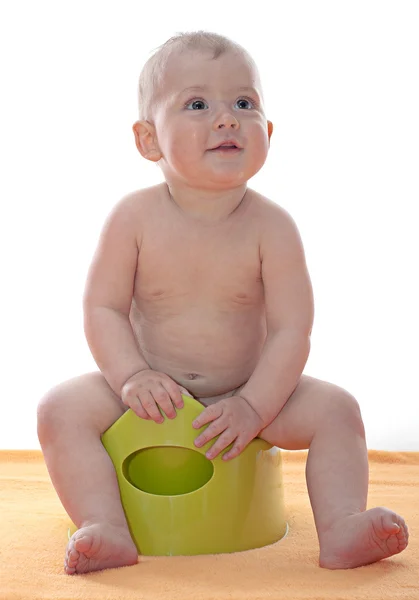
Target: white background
341,86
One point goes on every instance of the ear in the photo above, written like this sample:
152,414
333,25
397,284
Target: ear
270,129
146,140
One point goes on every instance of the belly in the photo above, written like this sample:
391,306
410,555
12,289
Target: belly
209,354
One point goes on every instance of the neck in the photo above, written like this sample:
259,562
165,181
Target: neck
206,206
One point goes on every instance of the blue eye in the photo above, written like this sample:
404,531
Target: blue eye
245,100
194,102
199,104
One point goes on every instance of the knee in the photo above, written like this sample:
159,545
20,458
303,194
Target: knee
49,411
347,408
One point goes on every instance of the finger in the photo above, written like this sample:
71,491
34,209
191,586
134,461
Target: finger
210,432
209,414
163,400
137,407
150,406
173,390
221,444
238,447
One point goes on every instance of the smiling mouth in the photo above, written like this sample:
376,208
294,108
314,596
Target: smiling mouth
226,149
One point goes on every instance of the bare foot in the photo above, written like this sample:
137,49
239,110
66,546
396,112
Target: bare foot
99,546
362,539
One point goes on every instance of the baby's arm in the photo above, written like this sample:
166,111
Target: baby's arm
108,296
289,309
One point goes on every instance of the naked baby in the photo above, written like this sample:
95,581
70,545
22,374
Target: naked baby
199,285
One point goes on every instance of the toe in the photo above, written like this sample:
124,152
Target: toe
68,570
73,557
71,554
394,532
70,562
404,530
403,537
83,543
390,522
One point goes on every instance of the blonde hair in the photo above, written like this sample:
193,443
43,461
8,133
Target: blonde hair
153,72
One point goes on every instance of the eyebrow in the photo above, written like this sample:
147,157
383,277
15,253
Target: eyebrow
205,88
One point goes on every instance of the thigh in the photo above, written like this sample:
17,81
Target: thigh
312,404
84,400
206,401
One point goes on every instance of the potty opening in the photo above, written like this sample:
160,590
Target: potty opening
167,470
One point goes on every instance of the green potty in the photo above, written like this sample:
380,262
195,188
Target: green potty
177,502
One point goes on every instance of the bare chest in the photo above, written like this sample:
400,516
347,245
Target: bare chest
179,268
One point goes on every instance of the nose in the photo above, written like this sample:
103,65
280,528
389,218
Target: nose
226,119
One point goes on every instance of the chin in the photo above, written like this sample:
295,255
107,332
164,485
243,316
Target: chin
228,184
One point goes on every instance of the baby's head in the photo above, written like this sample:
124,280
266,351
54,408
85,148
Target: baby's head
196,92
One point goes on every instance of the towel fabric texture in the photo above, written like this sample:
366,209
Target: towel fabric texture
33,537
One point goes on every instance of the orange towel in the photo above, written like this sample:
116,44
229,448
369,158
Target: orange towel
33,536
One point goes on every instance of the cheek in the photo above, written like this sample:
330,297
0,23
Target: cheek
261,141
187,145
193,136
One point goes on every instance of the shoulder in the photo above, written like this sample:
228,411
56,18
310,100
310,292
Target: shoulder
132,211
136,202
277,231
274,220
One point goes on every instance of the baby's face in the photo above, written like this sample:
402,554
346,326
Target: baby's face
189,123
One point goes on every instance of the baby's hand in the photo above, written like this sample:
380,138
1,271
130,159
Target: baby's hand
234,419
148,389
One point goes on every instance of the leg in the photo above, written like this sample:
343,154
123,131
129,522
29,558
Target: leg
327,420
71,419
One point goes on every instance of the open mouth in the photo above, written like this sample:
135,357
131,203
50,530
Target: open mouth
227,149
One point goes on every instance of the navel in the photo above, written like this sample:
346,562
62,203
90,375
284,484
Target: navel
192,375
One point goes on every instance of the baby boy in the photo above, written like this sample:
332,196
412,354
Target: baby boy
199,285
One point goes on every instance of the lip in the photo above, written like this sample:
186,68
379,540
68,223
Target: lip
227,143
226,151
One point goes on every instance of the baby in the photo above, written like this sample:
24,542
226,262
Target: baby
199,285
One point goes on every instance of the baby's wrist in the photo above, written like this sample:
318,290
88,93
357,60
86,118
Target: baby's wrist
259,416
